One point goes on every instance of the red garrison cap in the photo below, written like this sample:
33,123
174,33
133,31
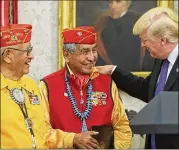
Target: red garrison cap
79,35
14,34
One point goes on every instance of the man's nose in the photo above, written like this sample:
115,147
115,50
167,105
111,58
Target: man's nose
91,56
142,44
30,55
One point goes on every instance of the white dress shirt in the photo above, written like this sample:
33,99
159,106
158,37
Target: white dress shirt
172,58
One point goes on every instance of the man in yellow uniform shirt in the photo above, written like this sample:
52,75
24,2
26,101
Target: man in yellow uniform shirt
79,100
22,115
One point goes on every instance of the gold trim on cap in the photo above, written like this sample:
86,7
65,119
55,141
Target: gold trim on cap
86,37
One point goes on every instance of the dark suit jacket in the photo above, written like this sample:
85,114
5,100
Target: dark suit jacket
144,89
120,43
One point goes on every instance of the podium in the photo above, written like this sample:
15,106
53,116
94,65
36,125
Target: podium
159,116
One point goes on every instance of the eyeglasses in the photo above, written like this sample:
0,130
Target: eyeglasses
27,50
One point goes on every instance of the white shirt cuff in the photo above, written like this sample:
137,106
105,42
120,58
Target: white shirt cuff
113,69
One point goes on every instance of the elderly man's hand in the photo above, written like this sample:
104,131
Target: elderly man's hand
106,70
85,140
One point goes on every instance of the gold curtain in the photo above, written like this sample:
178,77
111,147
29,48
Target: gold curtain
10,12
67,19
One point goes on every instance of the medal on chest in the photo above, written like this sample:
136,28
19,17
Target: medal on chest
34,100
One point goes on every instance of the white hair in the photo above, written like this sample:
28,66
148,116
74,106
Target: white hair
2,50
71,47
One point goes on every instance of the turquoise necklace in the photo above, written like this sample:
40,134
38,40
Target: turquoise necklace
81,115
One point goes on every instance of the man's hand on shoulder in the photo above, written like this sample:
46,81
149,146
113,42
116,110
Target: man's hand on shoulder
106,70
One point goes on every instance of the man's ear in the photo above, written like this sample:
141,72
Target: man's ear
66,55
7,56
163,41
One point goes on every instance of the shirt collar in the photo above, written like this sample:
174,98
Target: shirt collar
5,82
123,14
93,74
173,55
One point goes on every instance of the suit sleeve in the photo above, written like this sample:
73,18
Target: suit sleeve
132,84
122,131
55,138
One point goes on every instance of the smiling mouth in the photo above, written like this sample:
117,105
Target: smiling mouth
89,65
27,63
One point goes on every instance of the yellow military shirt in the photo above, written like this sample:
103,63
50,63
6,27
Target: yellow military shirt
14,133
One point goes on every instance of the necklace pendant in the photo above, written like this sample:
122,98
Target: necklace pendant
33,142
84,126
33,146
81,115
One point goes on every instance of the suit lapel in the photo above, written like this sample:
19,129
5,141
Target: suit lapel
172,76
154,78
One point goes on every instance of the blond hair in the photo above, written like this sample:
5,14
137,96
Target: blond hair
161,22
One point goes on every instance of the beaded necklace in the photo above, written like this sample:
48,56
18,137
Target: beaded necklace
81,115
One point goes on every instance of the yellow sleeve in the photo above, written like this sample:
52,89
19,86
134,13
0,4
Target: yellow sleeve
55,138
122,131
